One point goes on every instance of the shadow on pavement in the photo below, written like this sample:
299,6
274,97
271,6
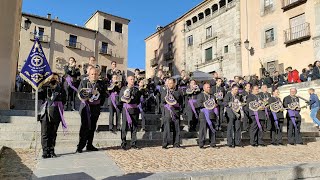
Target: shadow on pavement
73,176
129,176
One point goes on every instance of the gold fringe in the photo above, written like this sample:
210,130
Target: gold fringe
32,84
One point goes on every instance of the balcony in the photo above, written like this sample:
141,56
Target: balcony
297,34
289,4
72,44
154,62
105,51
42,38
168,56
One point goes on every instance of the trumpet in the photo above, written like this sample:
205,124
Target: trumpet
114,84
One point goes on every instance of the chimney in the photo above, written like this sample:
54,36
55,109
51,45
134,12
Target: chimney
49,16
57,18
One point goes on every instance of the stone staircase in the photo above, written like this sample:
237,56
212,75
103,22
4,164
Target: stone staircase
17,130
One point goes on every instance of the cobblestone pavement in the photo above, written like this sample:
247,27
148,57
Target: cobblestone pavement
156,159
16,164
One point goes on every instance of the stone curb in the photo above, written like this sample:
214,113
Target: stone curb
291,171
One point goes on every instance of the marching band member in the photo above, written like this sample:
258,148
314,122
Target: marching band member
113,70
246,118
276,107
293,116
219,92
207,116
51,113
234,113
113,102
93,63
142,86
158,82
191,99
130,97
91,92
71,75
257,114
171,113
264,96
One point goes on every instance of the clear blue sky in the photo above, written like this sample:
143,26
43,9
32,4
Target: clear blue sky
145,15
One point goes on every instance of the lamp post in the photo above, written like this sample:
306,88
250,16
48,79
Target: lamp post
27,24
250,52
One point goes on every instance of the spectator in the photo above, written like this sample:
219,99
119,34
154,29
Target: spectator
293,75
314,106
310,72
278,79
267,80
254,81
316,70
304,75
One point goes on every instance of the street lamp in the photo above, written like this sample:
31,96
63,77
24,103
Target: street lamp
27,24
246,45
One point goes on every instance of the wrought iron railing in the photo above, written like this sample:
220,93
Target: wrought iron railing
297,33
73,44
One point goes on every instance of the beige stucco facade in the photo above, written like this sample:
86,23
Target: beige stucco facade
10,17
57,47
296,19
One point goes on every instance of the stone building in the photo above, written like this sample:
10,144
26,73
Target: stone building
103,36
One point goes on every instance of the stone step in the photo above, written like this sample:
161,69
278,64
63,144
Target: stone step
100,143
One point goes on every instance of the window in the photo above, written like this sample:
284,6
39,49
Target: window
188,23
73,40
170,67
194,19
190,40
107,24
41,32
269,35
208,54
209,32
170,47
104,47
214,8
268,5
201,16
118,27
298,27
222,3
226,49
207,12
155,53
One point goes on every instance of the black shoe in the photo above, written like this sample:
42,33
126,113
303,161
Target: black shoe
214,146
231,146
262,145
254,145
280,144
292,144
177,146
92,148
164,147
45,156
201,147
79,151
135,147
123,146
53,155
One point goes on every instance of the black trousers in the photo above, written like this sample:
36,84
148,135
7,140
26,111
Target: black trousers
221,115
203,127
192,120
157,105
71,94
87,129
49,128
233,129
167,121
256,136
275,133
246,121
113,112
125,128
294,134
143,120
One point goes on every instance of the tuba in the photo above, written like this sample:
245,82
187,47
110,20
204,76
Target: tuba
276,106
126,95
193,89
169,98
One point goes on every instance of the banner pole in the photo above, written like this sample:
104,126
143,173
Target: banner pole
36,116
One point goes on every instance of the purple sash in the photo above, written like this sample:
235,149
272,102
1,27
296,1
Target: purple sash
140,107
206,115
216,112
69,81
267,113
158,87
256,116
171,110
292,114
60,107
275,119
182,87
113,100
127,106
191,103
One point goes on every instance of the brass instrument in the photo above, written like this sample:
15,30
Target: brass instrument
126,95
169,98
210,103
294,106
94,97
276,107
193,89
114,84
219,95
86,94
236,105
255,106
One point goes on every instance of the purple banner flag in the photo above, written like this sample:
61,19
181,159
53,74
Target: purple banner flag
36,71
